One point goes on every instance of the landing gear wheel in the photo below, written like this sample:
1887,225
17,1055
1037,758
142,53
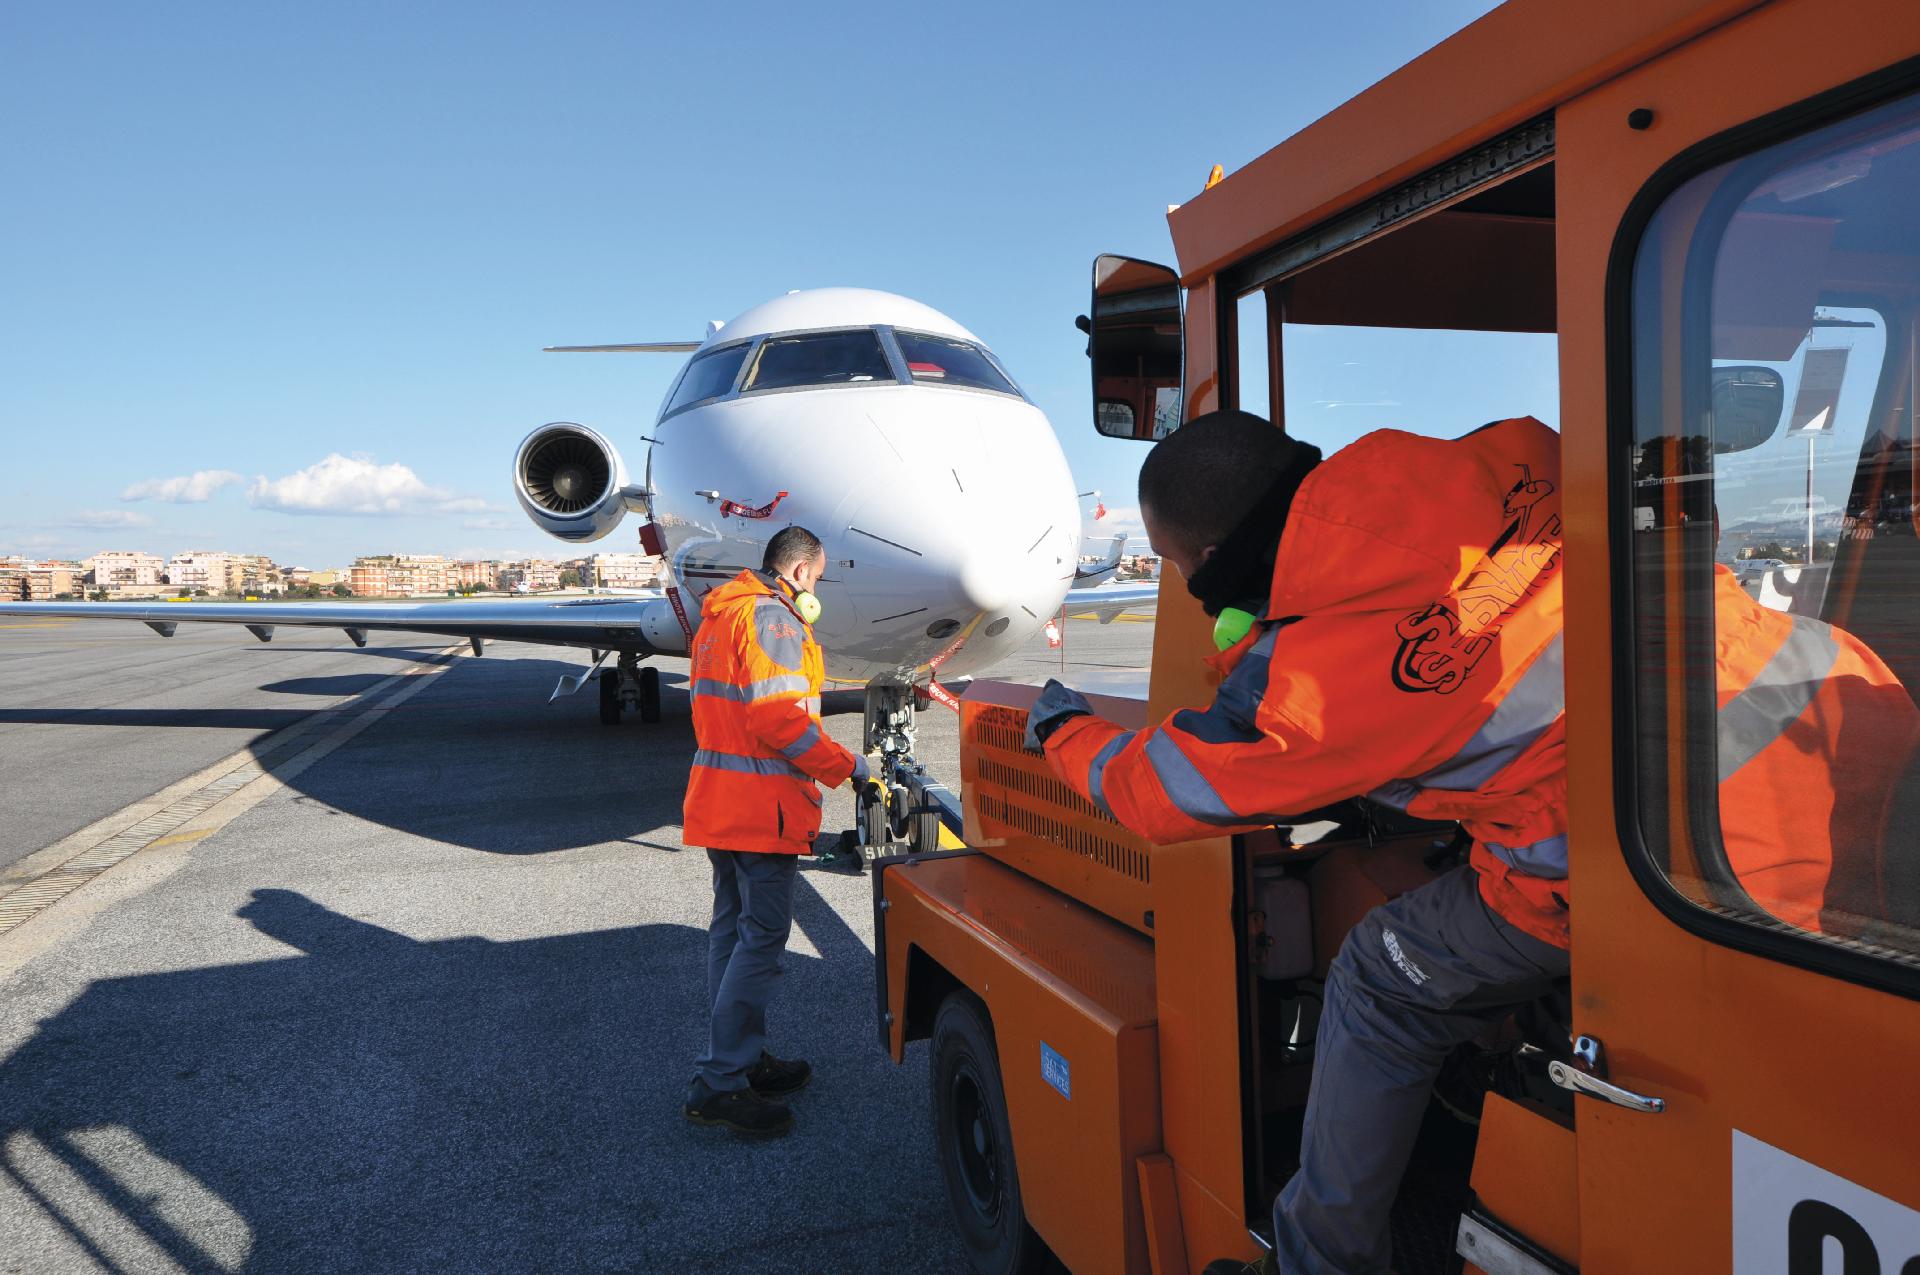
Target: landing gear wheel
649,694
609,680
873,818
899,802
974,1142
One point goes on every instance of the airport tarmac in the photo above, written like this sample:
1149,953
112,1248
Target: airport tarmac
374,960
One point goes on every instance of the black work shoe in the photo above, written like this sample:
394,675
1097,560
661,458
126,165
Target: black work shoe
778,1077
741,1110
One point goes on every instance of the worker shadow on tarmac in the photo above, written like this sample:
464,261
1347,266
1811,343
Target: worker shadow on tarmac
372,1102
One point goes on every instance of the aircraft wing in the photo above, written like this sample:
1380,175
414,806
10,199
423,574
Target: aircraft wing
644,625
1110,601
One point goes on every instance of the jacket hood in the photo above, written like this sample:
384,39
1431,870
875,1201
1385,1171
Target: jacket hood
1395,520
739,591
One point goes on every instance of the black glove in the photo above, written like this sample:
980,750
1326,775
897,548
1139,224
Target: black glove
1056,706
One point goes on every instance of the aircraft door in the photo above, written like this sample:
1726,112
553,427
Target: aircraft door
1745,787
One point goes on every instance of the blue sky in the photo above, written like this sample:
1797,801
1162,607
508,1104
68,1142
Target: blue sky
240,239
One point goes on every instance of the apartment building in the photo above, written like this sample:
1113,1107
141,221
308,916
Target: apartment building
620,571
30,581
399,575
477,574
530,576
202,569
117,569
259,574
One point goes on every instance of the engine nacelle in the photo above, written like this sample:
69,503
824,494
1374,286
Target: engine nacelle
571,482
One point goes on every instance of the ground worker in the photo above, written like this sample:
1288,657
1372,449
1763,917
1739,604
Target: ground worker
753,801
1389,627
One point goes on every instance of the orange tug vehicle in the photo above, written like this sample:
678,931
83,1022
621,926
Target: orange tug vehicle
1712,212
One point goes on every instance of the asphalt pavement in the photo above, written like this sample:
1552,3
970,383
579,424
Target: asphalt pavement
429,1001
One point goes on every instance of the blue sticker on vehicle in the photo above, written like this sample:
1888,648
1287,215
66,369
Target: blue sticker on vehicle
1056,1070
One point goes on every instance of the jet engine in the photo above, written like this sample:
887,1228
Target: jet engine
572,483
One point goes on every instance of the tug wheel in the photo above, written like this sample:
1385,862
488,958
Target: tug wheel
975,1143
923,830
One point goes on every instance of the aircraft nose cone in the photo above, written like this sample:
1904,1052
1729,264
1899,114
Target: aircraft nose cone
985,582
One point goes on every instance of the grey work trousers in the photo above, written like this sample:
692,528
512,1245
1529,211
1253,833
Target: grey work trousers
752,916
1415,978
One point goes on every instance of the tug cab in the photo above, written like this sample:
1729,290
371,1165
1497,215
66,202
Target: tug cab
1698,223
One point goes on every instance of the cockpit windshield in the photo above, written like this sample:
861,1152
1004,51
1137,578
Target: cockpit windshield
945,360
818,358
709,374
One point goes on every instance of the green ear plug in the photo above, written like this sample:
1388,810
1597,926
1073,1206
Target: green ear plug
1230,627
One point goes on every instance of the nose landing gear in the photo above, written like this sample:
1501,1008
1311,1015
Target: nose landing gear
902,814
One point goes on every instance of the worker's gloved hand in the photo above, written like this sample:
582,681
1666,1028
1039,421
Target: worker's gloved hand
862,773
1056,706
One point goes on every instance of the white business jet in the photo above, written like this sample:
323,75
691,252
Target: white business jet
950,518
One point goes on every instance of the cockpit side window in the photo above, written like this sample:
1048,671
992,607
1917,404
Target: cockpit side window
812,359
945,360
709,374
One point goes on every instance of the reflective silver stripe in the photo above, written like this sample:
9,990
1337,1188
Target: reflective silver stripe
1544,858
1185,786
1523,715
1782,690
1232,717
1534,704
799,746
813,705
1397,793
1096,773
747,765
785,684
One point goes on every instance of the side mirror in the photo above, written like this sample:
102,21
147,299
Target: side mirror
1747,404
1135,341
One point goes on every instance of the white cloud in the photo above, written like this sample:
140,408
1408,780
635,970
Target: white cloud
356,485
193,489
1120,518
108,518
487,524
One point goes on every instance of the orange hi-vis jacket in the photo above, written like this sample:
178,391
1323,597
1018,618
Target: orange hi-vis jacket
1814,732
1409,652
756,723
